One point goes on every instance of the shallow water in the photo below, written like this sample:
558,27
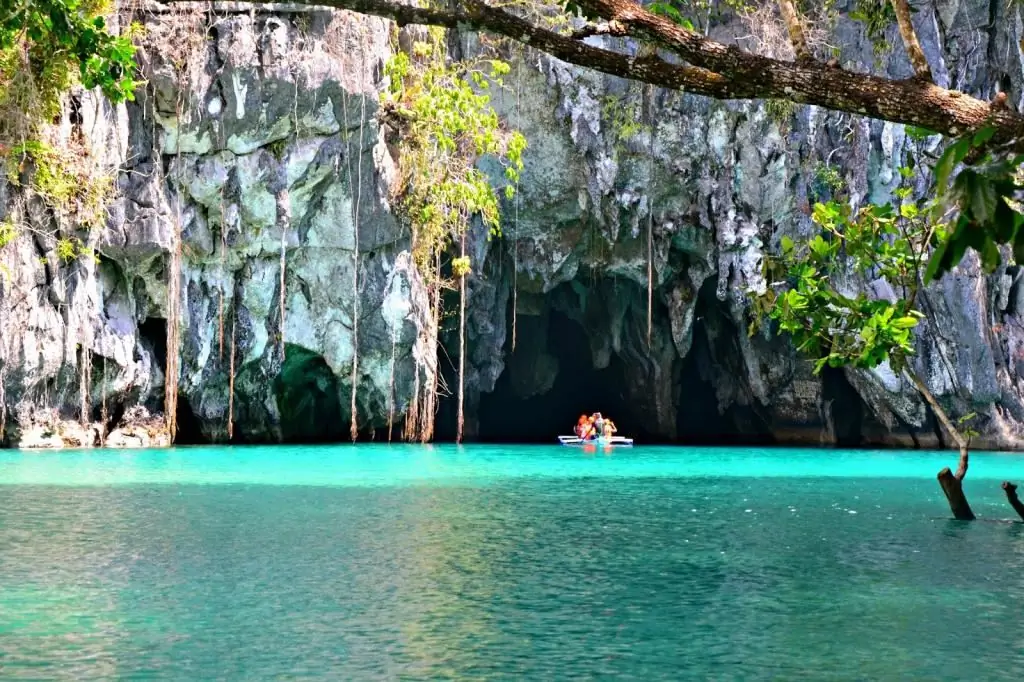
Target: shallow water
407,562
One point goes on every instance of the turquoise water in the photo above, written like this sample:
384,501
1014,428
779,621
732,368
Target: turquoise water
533,563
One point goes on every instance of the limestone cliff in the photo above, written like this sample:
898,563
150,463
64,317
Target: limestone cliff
258,144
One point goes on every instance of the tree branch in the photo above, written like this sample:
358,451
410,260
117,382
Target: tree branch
910,42
912,102
796,32
1011,497
714,69
605,28
940,413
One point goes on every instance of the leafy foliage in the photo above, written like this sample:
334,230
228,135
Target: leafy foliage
984,197
64,180
808,301
55,38
450,126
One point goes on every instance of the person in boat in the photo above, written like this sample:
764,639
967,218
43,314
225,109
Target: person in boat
609,429
582,427
598,422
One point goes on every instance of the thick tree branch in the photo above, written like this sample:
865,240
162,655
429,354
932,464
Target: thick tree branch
951,484
796,32
914,102
606,28
1011,496
910,42
716,70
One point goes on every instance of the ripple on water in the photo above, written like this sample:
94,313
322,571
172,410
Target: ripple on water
513,577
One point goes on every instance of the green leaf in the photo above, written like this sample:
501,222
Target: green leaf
983,135
904,322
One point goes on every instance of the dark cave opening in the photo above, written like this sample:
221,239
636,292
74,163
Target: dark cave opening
307,395
845,407
189,429
698,419
153,331
515,413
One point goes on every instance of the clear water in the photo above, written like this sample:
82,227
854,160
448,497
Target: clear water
531,563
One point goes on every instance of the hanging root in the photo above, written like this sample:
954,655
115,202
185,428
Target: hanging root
171,368
3,402
515,221
391,387
462,349
650,224
223,269
354,425
84,382
412,415
284,215
104,416
231,385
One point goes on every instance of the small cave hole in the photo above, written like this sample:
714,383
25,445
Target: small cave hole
308,399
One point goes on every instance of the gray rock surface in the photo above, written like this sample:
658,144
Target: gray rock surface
261,136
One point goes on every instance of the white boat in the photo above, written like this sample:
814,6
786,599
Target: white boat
618,441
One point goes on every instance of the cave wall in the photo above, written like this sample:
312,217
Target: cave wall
726,182
266,132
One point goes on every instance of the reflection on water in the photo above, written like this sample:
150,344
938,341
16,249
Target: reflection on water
632,578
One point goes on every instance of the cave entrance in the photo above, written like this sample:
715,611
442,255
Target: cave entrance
549,381
715,356
308,400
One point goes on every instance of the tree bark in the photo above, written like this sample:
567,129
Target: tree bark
796,32
910,42
1011,497
714,69
951,484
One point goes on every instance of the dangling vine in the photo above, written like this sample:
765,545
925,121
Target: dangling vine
223,273
354,425
649,102
515,207
231,381
171,369
462,271
443,112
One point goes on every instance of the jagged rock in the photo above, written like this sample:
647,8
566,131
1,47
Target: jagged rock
264,139
139,429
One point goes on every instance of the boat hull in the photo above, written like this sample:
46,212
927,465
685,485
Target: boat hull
614,441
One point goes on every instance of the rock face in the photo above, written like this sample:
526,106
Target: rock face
256,145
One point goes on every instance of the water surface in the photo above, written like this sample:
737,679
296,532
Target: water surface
408,562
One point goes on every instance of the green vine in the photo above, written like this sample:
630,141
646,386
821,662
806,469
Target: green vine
448,125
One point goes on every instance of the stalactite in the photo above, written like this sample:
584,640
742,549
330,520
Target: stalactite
462,345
